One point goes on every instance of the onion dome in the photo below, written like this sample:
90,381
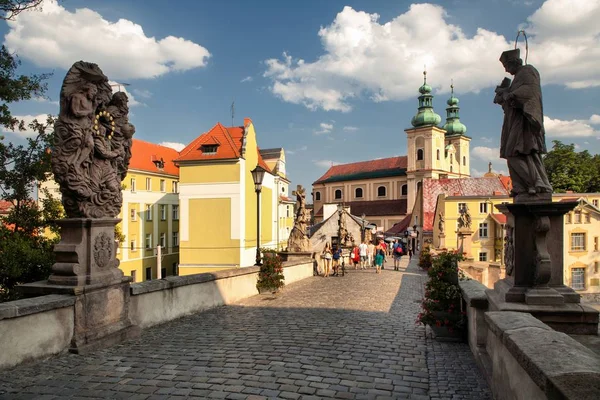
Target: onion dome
453,126
425,115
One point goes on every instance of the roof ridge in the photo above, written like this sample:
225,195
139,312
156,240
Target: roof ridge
230,140
193,144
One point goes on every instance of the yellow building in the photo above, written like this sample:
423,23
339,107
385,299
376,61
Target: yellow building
218,203
275,160
150,213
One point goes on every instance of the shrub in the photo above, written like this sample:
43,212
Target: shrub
425,259
270,276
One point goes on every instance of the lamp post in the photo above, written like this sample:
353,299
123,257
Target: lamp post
258,174
416,239
362,236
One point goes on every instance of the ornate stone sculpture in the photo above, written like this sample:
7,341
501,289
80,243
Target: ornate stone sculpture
298,240
441,223
93,144
464,220
509,251
523,137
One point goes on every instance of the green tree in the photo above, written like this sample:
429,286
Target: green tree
570,170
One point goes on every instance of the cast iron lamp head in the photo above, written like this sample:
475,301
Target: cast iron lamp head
258,174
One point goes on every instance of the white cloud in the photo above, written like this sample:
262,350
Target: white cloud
595,119
55,37
303,148
350,129
326,163
246,79
486,139
143,93
324,128
361,55
28,119
198,87
486,153
132,101
173,145
40,99
573,128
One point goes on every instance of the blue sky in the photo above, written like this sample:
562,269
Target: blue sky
330,81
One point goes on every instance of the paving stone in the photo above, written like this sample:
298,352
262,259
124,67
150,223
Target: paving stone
349,337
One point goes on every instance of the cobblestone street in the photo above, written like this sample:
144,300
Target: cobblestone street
351,337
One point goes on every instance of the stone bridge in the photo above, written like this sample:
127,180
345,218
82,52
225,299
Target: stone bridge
351,337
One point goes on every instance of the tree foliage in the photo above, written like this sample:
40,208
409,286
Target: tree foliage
569,170
9,9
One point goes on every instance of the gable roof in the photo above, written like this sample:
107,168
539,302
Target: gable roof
484,186
273,153
384,167
399,227
374,207
229,140
144,156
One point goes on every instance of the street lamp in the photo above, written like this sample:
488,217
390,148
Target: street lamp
363,216
258,174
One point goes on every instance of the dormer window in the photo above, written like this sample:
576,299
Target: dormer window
209,148
158,162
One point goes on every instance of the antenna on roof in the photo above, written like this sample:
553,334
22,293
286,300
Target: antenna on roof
118,85
232,111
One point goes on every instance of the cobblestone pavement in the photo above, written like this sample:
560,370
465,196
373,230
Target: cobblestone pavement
351,337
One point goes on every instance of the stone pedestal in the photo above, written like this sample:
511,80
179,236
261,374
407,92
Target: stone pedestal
534,269
292,256
464,241
87,268
442,241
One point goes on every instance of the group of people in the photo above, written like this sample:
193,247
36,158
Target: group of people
364,256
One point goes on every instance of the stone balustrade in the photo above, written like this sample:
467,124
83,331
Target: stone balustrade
43,326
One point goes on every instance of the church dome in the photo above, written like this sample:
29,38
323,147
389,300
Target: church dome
453,126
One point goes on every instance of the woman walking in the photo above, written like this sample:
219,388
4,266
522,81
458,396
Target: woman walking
327,257
379,258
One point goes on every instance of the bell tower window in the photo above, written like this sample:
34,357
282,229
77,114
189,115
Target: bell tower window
420,155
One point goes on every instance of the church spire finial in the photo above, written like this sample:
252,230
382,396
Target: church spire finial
490,167
424,74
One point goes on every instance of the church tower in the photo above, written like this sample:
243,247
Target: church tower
456,154
425,144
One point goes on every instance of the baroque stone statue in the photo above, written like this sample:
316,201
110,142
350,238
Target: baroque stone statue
93,143
523,137
298,240
464,220
441,223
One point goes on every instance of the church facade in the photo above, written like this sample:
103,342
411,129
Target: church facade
385,190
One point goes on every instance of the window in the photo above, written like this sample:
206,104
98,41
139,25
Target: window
461,206
451,168
464,160
134,276
595,243
404,190
483,230
578,278
568,218
175,212
381,191
437,153
358,193
419,184
174,187
595,203
148,212
133,214
148,241
163,185
148,274
596,267
483,208
578,241
420,155
163,212
175,239
577,217
587,218
148,184
287,211
337,194
483,256
209,148
132,182
163,240
132,246
317,196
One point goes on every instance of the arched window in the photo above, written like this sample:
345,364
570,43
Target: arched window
438,154
420,154
317,196
404,190
451,168
464,160
337,194
419,184
358,193
381,191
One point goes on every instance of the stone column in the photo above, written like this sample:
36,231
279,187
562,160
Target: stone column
464,241
442,240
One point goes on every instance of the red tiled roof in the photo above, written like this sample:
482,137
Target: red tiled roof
374,208
570,199
364,167
399,227
457,187
5,206
499,218
144,155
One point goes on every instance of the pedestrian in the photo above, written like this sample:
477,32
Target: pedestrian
363,248
410,251
337,254
384,247
327,257
397,252
370,254
355,256
379,258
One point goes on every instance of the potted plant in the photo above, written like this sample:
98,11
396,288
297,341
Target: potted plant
441,306
425,258
270,276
